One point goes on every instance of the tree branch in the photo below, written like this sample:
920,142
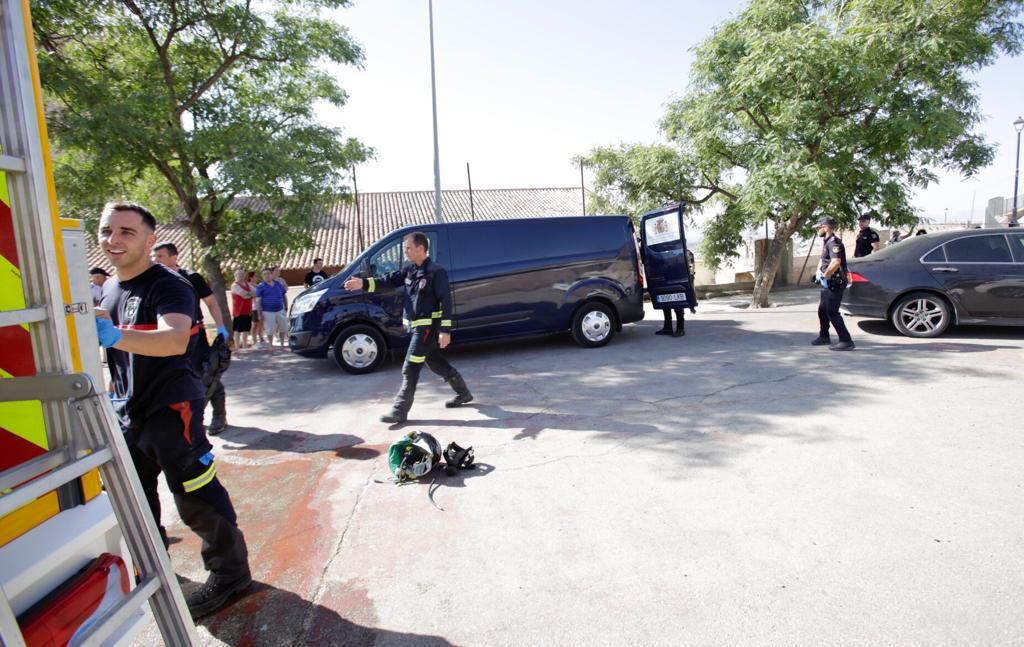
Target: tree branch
208,83
161,51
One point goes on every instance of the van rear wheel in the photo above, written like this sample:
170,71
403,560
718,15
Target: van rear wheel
358,349
593,325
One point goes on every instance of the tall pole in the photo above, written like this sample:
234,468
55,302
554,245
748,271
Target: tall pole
583,191
359,217
433,99
1019,125
469,180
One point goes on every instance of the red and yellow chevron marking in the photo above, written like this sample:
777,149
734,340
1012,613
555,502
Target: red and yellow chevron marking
22,430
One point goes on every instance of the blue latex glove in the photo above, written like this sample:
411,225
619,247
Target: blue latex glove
823,281
223,332
107,332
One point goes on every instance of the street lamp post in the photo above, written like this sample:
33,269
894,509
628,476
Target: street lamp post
1019,126
433,99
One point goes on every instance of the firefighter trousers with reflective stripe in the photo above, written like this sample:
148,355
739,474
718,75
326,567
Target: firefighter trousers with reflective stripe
172,441
423,349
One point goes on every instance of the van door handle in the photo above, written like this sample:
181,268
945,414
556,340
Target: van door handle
945,269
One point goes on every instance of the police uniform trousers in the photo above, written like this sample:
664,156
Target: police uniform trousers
828,313
171,441
423,349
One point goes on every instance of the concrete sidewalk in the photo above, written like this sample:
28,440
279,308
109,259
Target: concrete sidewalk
736,486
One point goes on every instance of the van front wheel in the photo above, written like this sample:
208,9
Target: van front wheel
358,349
593,325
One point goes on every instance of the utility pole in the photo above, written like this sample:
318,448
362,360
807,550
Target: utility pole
359,218
469,180
583,191
433,98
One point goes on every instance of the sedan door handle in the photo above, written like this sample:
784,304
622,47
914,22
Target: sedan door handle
945,269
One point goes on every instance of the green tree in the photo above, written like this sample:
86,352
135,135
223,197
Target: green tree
798,109
188,105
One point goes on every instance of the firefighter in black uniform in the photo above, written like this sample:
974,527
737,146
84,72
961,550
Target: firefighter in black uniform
147,323
208,361
831,275
867,238
428,313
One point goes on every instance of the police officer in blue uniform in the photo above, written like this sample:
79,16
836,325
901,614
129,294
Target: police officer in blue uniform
831,275
868,240
428,312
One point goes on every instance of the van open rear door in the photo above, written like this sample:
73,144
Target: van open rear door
664,251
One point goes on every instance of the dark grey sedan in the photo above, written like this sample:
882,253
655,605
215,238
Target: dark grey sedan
926,283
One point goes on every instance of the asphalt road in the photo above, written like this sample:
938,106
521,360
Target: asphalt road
736,486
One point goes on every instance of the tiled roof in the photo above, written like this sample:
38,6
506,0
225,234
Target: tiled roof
335,232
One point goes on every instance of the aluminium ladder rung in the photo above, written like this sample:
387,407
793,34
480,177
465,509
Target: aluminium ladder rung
12,164
31,469
23,316
115,618
31,491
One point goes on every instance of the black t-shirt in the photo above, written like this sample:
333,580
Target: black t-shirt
201,287
833,248
865,238
149,383
312,278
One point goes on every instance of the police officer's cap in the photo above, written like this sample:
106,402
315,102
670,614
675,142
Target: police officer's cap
831,222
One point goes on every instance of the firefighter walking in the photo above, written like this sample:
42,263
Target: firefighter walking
428,317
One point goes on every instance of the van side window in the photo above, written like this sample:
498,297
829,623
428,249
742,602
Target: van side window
392,257
387,260
543,240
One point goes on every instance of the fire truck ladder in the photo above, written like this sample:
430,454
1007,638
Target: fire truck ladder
79,418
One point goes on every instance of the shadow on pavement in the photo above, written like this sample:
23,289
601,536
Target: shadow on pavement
696,396
267,615
301,442
884,328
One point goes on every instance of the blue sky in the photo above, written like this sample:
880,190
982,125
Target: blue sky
524,86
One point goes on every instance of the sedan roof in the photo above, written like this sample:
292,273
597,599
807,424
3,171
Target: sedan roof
919,245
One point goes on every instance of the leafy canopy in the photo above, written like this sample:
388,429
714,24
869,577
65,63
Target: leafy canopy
798,108
187,105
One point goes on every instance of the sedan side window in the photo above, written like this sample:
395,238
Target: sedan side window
1017,242
935,256
979,249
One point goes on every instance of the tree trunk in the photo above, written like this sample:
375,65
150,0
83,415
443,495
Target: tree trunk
211,264
215,277
765,277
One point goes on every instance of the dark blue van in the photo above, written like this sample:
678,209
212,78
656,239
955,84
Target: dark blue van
509,278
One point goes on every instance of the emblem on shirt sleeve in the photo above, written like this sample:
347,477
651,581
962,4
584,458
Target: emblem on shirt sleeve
835,250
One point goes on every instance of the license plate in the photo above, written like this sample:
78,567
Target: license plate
669,298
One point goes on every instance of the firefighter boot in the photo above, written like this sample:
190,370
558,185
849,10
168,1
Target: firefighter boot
462,394
406,394
219,422
396,417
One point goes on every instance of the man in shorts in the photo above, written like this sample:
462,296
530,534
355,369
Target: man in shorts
147,323
271,301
